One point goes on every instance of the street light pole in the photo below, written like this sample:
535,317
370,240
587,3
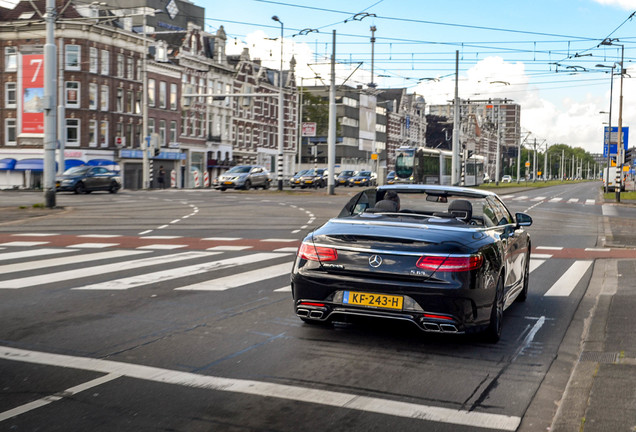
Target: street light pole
281,112
609,126
50,115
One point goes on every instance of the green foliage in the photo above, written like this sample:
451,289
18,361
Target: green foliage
316,109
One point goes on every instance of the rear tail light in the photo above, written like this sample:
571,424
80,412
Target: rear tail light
317,253
304,303
451,263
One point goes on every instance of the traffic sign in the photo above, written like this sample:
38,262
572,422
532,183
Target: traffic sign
309,129
612,139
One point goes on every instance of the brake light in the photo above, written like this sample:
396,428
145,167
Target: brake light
317,253
451,263
304,303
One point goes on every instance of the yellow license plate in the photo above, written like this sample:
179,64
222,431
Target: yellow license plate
375,300
228,182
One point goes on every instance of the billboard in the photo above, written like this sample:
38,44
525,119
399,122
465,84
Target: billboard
366,131
32,94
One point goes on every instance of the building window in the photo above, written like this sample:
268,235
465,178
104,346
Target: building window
173,131
151,92
93,60
129,101
103,98
130,74
173,96
72,132
120,100
72,94
162,94
72,58
105,66
10,59
162,133
137,102
120,65
92,133
103,134
92,96
10,95
10,128
151,126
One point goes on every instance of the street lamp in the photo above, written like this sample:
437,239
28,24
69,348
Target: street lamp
281,111
609,126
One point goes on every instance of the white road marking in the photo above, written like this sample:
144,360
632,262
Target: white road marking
609,210
541,256
228,282
342,400
229,248
56,262
519,198
535,263
102,269
176,273
573,200
597,249
287,249
590,202
540,198
58,396
275,240
99,235
555,248
162,246
157,237
93,245
222,238
27,244
568,281
283,289
32,253
33,235
554,200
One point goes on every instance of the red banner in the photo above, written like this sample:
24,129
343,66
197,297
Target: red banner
32,94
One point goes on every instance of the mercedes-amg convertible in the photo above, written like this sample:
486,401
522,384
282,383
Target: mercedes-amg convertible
446,259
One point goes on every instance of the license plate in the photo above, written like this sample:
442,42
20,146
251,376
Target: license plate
227,182
375,300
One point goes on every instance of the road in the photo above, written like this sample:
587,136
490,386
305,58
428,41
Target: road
171,310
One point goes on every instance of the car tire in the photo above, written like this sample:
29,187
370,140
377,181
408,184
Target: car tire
266,185
79,188
493,332
523,295
222,189
248,185
113,188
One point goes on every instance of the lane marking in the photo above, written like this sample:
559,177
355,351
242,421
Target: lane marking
55,262
162,246
314,396
93,245
535,263
33,235
568,281
101,269
24,243
555,248
222,238
229,248
540,198
157,237
573,200
58,396
287,249
234,281
541,256
32,253
283,289
520,198
275,240
555,200
99,235
590,202
176,273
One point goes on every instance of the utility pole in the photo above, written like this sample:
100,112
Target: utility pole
456,144
331,135
50,114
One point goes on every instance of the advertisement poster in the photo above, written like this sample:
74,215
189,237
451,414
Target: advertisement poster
32,94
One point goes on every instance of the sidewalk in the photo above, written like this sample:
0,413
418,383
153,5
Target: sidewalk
600,351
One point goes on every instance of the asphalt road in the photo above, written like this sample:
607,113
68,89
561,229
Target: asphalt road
171,310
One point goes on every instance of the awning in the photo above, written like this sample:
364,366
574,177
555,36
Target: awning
70,163
30,164
7,164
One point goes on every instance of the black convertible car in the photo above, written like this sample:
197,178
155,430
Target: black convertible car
446,259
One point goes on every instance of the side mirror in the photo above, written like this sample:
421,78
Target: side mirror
523,219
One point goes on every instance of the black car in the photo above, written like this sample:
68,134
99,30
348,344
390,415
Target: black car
362,178
343,178
391,178
447,259
315,178
86,179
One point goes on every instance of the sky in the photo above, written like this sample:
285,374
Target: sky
542,54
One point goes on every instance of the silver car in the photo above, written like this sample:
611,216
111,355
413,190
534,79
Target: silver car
243,177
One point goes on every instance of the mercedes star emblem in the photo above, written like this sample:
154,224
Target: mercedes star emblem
375,261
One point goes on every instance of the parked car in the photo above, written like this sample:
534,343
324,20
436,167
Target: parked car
362,178
294,181
86,179
391,177
506,179
316,178
243,177
342,179
446,259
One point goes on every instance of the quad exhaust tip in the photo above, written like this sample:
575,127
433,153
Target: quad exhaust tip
312,314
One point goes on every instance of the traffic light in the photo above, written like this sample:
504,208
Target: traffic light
629,156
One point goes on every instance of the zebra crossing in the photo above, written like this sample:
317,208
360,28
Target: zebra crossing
555,199
215,270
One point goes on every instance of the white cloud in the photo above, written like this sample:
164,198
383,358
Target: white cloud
625,4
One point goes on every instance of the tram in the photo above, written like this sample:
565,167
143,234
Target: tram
434,166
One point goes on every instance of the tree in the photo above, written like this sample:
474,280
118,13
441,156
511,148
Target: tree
439,132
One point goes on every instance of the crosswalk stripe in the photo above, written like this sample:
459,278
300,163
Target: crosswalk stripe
32,253
283,289
98,270
523,197
566,283
554,200
540,198
135,281
94,245
24,243
590,202
224,283
535,263
573,200
55,262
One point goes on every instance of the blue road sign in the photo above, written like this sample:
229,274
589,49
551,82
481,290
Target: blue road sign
612,140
